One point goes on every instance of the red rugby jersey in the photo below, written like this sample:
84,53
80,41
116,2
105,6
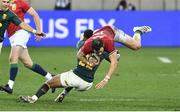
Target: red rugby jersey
19,7
106,34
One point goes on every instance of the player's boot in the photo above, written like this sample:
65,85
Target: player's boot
60,98
6,88
142,29
26,99
53,89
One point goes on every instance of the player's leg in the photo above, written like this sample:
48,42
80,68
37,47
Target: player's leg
131,42
60,80
66,79
13,58
62,95
27,61
77,83
53,83
18,43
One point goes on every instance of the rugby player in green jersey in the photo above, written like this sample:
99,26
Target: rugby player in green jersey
7,17
18,39
87,34
80,78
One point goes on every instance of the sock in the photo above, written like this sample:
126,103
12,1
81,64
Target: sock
137,37
42,90
11,83
34,97
13,74
38,69
48,76
138,31
67,90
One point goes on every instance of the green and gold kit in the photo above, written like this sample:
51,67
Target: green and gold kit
6,17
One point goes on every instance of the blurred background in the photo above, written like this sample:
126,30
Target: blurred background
110,4
145,80
64,20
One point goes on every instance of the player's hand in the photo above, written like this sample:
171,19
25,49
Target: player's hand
38,38
91,64
39,35
42,34
102,84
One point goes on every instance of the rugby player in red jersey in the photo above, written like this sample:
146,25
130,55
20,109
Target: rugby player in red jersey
80,77
18,40
109,35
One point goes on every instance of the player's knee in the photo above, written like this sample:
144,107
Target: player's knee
27,65
136,47
13,60
54,82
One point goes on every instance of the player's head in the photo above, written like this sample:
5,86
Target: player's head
4,4
98,46
87,34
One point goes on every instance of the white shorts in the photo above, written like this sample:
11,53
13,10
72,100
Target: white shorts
1,43
120,36
20,38
69,79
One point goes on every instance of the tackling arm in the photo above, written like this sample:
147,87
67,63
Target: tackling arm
81,57
112,69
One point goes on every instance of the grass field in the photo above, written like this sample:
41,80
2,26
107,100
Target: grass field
142,82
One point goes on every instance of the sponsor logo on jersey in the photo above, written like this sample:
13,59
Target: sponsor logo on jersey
4,16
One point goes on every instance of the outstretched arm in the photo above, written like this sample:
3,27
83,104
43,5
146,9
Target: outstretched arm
112,68
28,28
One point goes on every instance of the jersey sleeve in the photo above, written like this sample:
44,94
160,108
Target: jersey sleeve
15,19
106,56
109,46
79,44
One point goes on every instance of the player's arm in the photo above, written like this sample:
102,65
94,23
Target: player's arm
14,19
81,57
28,28
112,69
36,17
106,56
113,64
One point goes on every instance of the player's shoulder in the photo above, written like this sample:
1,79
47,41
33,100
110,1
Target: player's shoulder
9,13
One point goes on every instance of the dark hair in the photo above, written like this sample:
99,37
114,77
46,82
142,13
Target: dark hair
88,33
97,44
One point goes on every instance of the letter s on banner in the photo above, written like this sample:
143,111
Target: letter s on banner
59,25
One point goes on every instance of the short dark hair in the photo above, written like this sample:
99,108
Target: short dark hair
88,33
97,44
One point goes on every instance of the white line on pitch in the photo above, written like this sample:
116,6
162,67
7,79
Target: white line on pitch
111,99
164,59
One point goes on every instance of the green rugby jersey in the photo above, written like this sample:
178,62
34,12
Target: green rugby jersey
79,44
84,71
6,17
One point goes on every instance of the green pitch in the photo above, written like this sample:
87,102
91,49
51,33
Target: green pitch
143,82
